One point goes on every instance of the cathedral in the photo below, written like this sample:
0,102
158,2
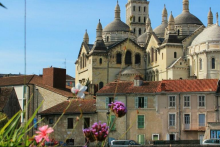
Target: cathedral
179,48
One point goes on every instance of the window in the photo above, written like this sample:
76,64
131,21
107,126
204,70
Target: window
112,123
137,59
186,101
128,58
70,123
141,139
171,120
141,102
86,122
133,8
109,100
178,32
139,19
200,64
134,30
100,61
133,18
50,120
144,9
118,58
107,40
175,55
155,55
152,55
187,121
201,120
100,85
155,136
139,8
201,101
172,101
213,63
139,31
140,121
144,19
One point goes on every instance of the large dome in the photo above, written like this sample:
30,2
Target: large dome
160,30
116,26
208,34
187,18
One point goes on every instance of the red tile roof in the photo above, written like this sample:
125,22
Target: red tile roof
196,85
86,106
16,80
4,96
128,87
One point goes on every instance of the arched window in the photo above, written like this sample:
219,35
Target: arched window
139,8
134,30
144,9
144,19
128,58
107,39
118,58
133,8
139,19
133,18
175,55
100,61
200,64
139,31
213,63
100,85
137,59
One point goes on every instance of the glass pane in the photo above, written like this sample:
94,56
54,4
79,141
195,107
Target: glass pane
201,119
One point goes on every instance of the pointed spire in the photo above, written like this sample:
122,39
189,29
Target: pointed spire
210,17
185,5
149,30
117,11
86,37
99,31
164,14
171,24
217,18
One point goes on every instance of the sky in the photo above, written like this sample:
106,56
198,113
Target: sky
55,29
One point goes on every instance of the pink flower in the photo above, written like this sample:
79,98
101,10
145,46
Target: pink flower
43,133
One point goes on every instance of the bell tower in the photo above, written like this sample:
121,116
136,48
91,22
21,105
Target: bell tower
137,12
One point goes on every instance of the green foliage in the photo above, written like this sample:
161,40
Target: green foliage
3,119
13,133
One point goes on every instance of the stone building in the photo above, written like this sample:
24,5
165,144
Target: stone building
161,110
181,47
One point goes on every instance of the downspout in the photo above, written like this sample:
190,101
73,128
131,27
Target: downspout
179,118
217,109
126,116
108,69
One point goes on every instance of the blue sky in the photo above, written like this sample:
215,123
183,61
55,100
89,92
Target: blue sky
55,28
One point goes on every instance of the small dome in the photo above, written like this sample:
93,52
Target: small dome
209,33
117,25
160,30
187,18
142,38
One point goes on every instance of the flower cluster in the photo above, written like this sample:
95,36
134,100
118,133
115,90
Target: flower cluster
43,133
118,108
98,132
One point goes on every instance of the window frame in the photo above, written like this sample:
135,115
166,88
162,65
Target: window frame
117,58
200,64
173,124
184,106
153,136
68,122
140,127
50,122
201,101
213,64
172,101
145,102
175,55
204,120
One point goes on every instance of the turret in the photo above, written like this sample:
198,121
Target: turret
117,11
86,38
185,5
164,14
99,31
148,23
210,17
171,24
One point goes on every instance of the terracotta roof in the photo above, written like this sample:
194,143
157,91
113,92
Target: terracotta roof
68,77
128,87
4,96
37,80
196,85
17,80
87,106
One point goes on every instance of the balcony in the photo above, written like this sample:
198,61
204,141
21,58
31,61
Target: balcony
194,127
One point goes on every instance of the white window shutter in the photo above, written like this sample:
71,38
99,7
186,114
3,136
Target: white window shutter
145,102
136,102
168,136
106,102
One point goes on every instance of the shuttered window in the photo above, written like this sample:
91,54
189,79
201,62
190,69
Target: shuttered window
140,121
141,139
141,102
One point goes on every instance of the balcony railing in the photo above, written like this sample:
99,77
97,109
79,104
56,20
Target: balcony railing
194,127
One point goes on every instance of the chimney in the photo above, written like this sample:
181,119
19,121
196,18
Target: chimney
138,80
54,77
163,88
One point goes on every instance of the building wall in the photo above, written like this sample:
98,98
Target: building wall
62,133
